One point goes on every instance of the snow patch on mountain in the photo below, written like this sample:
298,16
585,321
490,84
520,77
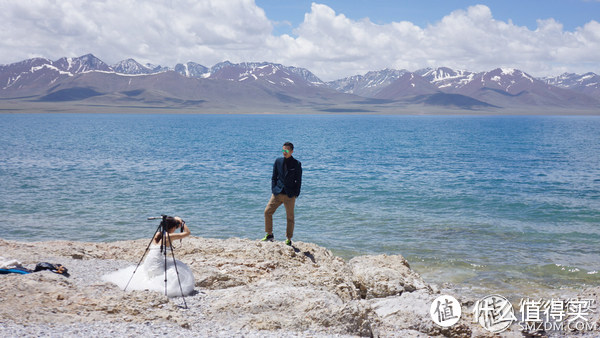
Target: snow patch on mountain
264,72
368,84
447,78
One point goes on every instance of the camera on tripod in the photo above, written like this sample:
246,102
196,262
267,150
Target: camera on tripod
168,222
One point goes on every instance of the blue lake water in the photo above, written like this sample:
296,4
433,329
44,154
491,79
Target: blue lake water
502,203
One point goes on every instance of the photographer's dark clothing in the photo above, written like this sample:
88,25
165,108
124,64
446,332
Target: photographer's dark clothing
287,177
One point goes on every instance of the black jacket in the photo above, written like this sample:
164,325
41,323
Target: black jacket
287,177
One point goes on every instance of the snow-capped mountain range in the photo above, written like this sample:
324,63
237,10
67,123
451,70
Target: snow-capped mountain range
501,87
278,84
586,83
21,73
510,80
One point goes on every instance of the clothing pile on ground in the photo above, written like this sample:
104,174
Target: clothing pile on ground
13,266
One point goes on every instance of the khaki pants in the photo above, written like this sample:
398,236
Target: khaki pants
274,203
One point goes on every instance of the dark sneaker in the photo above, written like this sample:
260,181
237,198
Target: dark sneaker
268,238
288,242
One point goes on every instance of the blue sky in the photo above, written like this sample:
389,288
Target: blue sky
571,13
331,38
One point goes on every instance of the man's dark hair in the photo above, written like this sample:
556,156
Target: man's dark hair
289,144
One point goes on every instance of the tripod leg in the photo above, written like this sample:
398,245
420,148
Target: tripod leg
176,272
164,246
140,262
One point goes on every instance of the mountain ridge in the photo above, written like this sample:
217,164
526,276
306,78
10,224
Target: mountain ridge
285,87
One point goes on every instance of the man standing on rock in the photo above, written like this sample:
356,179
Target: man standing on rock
285,185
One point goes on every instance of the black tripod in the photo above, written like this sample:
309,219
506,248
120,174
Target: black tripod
165,243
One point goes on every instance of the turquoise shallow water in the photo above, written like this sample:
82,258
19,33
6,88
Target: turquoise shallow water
496,202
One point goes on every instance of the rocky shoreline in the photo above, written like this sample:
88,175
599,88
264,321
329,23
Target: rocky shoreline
242,288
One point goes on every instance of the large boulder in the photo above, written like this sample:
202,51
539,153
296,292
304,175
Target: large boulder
383,276
268,305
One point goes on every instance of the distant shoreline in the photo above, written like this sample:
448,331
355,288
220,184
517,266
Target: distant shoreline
33,108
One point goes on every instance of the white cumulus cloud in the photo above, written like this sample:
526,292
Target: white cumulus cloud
150,30
471,39
327,43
